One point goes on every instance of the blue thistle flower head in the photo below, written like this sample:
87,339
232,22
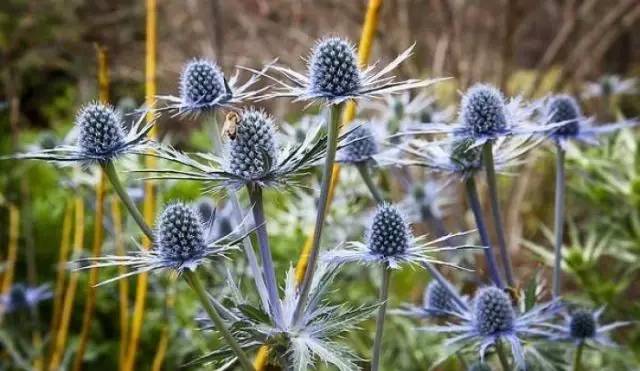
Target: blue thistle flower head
583,324
436,297
333,69
180,235
202,84
483,110
493,311
565,108
389,234
361,145
21,296
101,133
479,366
253,151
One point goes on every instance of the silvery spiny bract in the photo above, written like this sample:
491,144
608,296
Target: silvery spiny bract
253,157
302,344
181,242
360,145
584,326
428,199
492,318
567,122
101,138
203,88
610,85
333,76
389,241
23,297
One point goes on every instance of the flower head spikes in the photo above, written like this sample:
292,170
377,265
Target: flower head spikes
584,326
437,301
302,343
253,157
22,297
204,88
360,146
333,76
182,242
389,241
567,122
492,318
102,138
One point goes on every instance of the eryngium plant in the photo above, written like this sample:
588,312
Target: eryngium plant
360,145
23,297
584,326
437,301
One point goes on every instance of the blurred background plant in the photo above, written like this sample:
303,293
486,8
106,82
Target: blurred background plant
585,48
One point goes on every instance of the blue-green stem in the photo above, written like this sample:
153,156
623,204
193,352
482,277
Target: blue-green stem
112,175
474,203
577,357
255,195
382,311
363,169
558,221
327,173
196,285
487,155
504,361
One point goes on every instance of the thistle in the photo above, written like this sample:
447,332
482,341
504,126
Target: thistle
102,138
203,88
360,145
22,297
437,301
333,76
492,319
583,326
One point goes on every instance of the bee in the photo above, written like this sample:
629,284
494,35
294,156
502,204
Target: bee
514,293
230,127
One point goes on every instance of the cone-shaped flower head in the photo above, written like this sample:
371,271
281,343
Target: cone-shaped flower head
493,312
564,108
479,366
483,110
333,68
436,297
389,234
253,151
21,297
101,131
180,236
361,145
582,324
202,83
18,296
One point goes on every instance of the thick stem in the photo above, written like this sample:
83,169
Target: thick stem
474,203
384,295
577,357
558,221
487,155
196,285
327,173
504,361
365,174
255,194
112,175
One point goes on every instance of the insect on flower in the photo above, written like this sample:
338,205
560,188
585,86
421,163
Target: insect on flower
230,127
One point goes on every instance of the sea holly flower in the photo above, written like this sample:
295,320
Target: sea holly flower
23,297
203,88
429,199
584,326
437,301
334,76
564,109
301,344
492,319
360,145
102,138
389,241
181,242
610,85
404,111
252,157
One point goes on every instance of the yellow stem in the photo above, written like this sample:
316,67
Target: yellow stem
65,245
149,197
69,296
12,254
123,284
161,351
364,51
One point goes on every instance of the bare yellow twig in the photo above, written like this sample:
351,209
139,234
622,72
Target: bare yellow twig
12,253
65,244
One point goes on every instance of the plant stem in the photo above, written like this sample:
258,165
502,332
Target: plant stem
112,175
255,194
327,173
474,203
504,362
365,174
196,285
487,156
558,221
577,358
384,295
